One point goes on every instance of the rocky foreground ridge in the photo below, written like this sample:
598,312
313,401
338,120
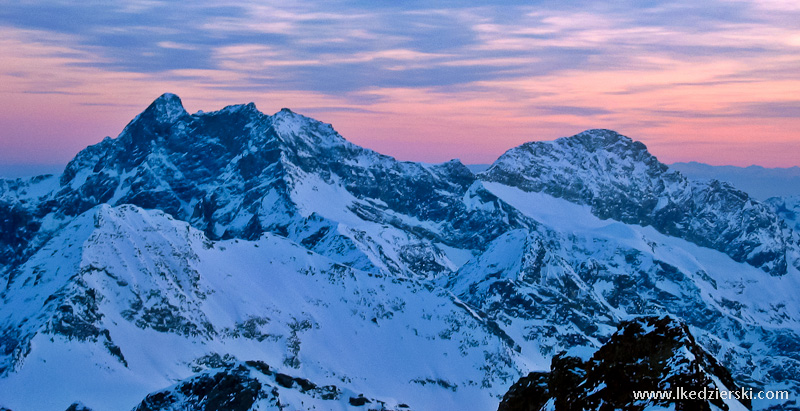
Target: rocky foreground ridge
648,355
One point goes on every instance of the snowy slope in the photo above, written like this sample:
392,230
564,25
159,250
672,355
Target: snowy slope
131,300
568,286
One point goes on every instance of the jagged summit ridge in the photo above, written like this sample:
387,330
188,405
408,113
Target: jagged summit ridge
602,139
238,173
599,154
168,159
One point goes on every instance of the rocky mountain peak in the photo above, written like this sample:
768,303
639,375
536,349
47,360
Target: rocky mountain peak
167,108
620,180
212,140
309,136
237,172
240,109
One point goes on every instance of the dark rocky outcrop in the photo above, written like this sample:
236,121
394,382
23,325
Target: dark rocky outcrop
231,389
77,406
647,354
249,385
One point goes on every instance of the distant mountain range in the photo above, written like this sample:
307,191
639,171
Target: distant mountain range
10,171
761,183
238,260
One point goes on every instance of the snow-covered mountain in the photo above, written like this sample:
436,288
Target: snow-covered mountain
238,173
265,258
620,180
129,301
570,287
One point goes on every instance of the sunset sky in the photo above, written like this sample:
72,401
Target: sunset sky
716,81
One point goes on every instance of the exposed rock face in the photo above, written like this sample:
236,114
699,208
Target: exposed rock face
620,180
788,208
647,354
238,173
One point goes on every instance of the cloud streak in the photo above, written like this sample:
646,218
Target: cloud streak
476,80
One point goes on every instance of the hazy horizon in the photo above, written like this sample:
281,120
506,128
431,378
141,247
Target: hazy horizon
25,170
